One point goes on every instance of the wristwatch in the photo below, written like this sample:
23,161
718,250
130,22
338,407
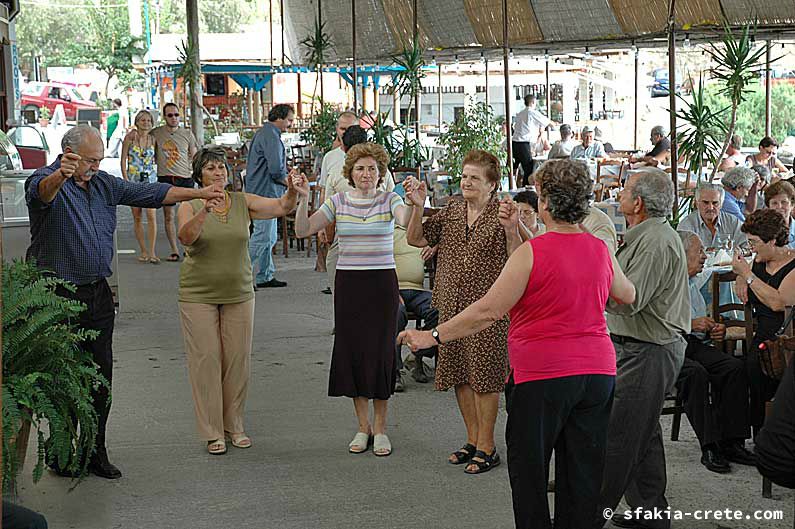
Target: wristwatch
750,279
435,334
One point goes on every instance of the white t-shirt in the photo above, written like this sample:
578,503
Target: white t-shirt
332,163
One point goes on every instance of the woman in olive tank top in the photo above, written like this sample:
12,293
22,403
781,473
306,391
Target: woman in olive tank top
216,298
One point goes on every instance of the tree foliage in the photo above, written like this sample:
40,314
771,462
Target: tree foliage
751,112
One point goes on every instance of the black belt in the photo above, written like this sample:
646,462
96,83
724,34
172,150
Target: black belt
92,284
625,339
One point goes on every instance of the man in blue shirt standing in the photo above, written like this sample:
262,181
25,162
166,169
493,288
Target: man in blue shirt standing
72,208
266,176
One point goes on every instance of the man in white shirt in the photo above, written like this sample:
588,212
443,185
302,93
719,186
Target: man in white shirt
563,147
589,148
527,127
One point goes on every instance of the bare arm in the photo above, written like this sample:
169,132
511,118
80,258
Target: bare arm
190,224
501,297
621,288
414,234
776,299
180,194
125,146
270,208
304,224
403,215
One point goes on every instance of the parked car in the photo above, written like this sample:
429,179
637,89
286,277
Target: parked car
31,145
660,87
38,94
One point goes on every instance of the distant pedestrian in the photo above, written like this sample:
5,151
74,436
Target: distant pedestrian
266,176
138,165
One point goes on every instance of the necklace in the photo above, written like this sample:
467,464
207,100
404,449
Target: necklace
369,209
223,214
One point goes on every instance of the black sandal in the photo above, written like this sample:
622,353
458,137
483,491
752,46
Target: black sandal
489,462
463,454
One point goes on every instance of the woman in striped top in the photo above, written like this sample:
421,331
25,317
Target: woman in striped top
366,288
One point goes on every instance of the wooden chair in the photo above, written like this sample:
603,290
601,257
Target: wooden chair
606,182
736,330
673,406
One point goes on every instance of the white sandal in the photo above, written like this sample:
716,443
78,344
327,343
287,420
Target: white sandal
360,443
382,447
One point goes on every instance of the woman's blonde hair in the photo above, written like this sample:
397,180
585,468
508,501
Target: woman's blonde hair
366,150
142,113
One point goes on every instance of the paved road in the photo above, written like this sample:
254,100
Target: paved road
298,474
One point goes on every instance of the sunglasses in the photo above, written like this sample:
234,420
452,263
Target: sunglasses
176,115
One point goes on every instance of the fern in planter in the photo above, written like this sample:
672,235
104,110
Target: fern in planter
476,128
323,130
46,376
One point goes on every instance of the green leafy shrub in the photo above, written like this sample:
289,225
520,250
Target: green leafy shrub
476,128
47,377
323,130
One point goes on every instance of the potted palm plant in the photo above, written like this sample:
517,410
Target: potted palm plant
44,116
47,377
317,45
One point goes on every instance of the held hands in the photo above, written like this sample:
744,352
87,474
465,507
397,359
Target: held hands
416,340
416,191
212,192
69,163
740,266
741,289
508,214
428,252
299,182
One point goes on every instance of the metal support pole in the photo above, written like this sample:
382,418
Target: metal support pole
672,102
635,103
320,66
768,92
439,98
281,15
270,35
507,92
196,115
546,80
353,45
487,80
419,88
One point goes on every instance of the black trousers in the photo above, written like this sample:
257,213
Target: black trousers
714,390
99,315
523,155
18,517
762,388
569,415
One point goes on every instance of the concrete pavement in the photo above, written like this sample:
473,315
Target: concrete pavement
298,474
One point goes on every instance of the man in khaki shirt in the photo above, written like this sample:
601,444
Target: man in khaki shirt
650,348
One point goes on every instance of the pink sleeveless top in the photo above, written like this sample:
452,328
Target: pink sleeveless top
558,327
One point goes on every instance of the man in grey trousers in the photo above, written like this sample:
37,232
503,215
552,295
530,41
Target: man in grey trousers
650,349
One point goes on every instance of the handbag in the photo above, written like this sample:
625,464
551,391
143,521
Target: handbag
775,355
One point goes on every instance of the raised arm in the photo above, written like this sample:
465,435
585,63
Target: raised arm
190,223
304,224
416,193
621,289
270,208
509,219
50,185
501,297
777,299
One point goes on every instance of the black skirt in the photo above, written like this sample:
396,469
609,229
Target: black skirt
365,319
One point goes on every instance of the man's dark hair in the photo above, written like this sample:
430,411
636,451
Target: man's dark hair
117,102
565,131
766,142
280,112
354,135
527,197
170,105
529,99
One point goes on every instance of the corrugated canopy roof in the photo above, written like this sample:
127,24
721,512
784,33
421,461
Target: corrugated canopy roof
385,26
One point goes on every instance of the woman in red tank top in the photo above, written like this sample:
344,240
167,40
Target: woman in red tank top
560,389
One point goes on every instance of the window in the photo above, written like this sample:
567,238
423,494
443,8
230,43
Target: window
216,84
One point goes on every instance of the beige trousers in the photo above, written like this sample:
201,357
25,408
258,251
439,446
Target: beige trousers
218,348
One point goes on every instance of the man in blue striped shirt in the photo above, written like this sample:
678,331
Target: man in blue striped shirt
72,208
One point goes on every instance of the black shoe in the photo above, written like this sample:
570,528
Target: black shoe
273,283
618,520
736,452
326,290
103,468
400,384
714,461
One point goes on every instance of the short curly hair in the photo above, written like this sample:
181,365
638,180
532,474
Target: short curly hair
366,150
768,225
782,187
205,155
486,160
566,188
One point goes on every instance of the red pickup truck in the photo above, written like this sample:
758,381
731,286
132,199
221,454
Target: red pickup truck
37,95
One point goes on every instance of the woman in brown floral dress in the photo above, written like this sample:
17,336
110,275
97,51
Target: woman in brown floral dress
475,236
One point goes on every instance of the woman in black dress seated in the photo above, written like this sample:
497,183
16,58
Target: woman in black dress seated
769,286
